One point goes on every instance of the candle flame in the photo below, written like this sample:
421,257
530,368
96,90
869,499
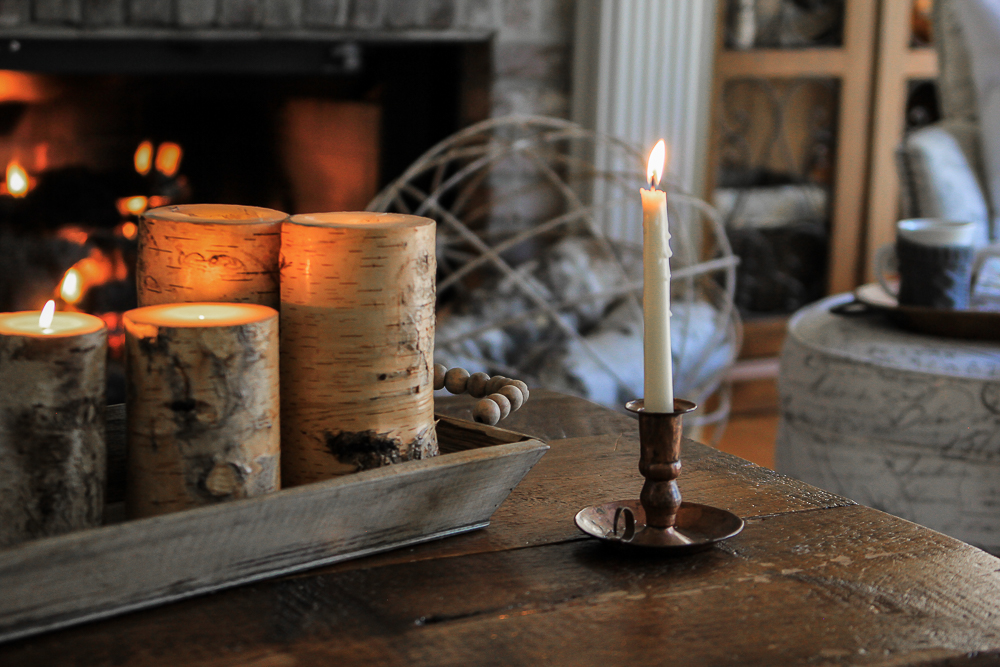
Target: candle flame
657,160
17,179
71,288
48,312
132,205
168,158
144,157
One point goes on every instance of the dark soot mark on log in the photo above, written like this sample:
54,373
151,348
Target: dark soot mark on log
363,449
184,405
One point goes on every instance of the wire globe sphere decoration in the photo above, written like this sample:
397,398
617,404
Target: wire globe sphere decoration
539,252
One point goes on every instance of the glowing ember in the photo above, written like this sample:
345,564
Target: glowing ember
74,234
48,312
132,205
129,230
116,333
71,287
657,160
17,179
168,158
144,157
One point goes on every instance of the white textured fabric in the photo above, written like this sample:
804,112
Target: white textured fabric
980,22
942,182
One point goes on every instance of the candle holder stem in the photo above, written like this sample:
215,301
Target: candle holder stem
660,461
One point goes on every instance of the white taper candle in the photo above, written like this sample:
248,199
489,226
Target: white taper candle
657,362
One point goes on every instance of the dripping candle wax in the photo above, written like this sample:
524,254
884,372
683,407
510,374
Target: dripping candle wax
657,363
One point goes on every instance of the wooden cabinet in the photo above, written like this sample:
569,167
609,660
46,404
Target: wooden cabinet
871,64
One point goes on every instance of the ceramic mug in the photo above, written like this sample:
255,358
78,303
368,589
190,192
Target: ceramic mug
934,260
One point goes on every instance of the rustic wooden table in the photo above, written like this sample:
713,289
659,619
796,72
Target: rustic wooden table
813,579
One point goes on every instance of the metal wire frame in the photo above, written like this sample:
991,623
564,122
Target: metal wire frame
447,183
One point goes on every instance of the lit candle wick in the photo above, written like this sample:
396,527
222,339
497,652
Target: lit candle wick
45,319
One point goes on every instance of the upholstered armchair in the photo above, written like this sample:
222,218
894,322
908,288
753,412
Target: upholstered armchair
944,167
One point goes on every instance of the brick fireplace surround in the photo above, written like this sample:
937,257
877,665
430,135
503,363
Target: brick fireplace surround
531,39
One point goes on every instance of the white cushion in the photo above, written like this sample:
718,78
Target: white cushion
942,183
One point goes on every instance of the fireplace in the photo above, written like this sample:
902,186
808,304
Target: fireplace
94,134
300,105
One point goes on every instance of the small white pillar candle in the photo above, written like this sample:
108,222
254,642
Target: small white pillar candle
52,445
657,363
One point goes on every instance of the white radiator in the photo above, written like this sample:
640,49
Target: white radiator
642,71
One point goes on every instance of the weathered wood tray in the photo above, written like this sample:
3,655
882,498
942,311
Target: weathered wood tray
61,581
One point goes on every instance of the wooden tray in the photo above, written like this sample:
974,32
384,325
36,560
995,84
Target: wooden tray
966,324
60,581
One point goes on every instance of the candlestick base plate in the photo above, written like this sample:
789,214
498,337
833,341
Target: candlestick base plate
624,522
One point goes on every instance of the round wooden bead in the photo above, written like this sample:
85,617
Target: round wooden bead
522,386
513,395
486,412
439,371
502,401
494,384
455,380
477,384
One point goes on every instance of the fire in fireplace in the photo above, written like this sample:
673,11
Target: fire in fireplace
94,132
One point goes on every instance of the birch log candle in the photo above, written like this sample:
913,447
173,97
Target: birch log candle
52,447
357,343
209,252
203,413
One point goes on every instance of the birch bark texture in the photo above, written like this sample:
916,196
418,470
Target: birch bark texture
52,440
357,343
209,252
203,420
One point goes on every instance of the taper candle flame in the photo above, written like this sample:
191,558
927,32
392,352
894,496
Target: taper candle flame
48,312
657,160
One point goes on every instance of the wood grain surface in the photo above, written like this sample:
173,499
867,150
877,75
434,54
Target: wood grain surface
813,580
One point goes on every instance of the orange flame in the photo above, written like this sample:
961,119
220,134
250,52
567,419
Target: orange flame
168,158
132,205
71,287
657,161
17,179
95,269
48,312
144,157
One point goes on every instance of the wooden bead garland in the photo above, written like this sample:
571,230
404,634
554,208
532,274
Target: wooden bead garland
502,395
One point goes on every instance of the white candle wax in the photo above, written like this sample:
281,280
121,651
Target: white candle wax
657,362
25,323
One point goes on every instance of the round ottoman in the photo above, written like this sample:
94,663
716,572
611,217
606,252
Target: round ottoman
903,422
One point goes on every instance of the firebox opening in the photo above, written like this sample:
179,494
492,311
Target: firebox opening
96,131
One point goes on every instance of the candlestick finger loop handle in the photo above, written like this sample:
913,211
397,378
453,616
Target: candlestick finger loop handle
628,528
659,461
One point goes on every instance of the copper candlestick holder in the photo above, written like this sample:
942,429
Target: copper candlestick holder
659,519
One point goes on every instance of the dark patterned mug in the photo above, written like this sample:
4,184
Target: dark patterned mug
934,261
